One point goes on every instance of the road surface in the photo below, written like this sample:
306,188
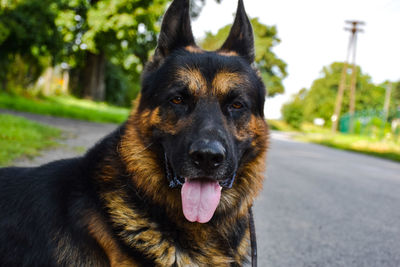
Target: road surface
326,207
320,206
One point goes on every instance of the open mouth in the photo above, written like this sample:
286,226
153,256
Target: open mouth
175,180
200,196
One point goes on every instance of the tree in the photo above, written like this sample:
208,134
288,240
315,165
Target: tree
105,42
108,33
273,69
394,107
293,112
319,100
28,38
117,37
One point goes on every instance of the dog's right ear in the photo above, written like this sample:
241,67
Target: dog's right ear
241,38
176,31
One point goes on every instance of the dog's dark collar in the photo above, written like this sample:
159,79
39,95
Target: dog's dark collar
253,239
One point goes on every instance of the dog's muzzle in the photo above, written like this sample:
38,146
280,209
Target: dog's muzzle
176,181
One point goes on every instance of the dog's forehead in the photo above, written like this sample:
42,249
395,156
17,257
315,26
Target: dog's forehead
219,83
205,73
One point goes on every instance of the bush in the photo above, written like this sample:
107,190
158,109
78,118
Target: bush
293,113
121,87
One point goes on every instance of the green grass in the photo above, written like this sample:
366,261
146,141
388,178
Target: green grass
21,137
311,133
66,106
381,148
279,125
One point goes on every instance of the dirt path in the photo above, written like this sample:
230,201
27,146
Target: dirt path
77,137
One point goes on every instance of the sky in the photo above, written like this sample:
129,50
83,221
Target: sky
312,36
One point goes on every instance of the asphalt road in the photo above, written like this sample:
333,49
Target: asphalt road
326,207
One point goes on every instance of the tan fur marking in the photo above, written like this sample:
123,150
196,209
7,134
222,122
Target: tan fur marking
144,163
243,249
193,79
194,49
153,119
224,81
255,127
101,234
150,242
170,126
227,53
65,253
250,177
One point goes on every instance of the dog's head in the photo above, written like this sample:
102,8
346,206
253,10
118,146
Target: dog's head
203,113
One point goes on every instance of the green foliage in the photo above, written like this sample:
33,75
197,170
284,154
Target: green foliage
293,112
35,34
47,32
28,34
273,69
68,107
21,137
319,100
124,25
124,89
394,108
280,125
124,31
31,29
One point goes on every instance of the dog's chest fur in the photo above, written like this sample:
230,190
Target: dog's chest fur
147,230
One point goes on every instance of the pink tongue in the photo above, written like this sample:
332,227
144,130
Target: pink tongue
200,198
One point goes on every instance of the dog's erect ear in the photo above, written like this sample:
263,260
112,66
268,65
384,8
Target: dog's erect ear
176,31
241,39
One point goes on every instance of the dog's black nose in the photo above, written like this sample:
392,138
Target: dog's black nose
207,154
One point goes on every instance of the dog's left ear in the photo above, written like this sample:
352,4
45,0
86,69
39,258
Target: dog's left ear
241,39
176,31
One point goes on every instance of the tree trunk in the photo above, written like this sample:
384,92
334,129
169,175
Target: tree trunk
94,77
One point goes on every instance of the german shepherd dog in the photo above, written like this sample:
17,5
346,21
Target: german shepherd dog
172,186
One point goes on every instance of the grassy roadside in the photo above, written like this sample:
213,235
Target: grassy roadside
388,149
21,137
66,106
380,148
282,126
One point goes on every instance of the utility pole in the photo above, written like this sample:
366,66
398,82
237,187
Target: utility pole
351,49
387,101
342,85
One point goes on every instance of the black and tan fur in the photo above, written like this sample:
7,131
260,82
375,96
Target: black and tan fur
120,204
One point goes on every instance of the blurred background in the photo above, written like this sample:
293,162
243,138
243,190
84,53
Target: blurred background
70,70
83,59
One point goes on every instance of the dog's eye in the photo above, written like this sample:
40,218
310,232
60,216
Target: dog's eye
177,100
237,105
